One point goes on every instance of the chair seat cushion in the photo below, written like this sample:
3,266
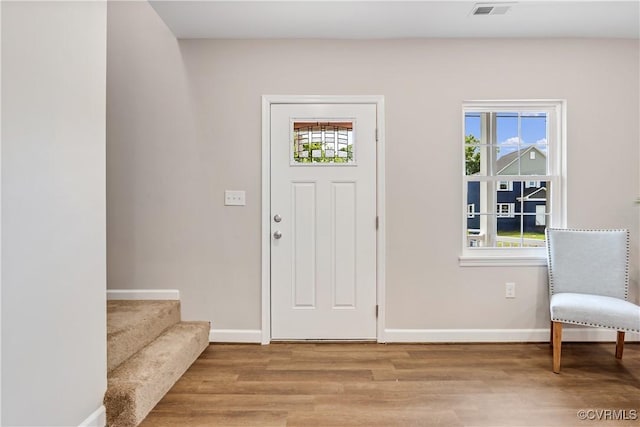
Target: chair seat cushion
595,310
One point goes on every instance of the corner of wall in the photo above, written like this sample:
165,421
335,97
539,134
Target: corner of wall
1,215
97,419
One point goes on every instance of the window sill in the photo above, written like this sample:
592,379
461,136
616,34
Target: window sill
501,261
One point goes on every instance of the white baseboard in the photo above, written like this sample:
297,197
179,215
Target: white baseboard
499,335
236,335
449,335
97,419
143,294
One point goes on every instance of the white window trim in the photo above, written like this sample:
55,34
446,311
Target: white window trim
483,256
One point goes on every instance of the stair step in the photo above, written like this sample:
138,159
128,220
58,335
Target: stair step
132,324
138,384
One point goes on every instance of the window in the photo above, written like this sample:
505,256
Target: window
505,210
514,177
471,210
505,186
316,143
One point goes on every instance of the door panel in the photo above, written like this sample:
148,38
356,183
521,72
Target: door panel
303,234
344,244
323,249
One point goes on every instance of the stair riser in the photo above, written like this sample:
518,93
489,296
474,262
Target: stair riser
135,387
134,324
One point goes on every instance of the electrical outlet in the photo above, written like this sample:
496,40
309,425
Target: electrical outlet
509,290
234,198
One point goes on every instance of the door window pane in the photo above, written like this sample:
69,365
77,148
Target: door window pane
323,143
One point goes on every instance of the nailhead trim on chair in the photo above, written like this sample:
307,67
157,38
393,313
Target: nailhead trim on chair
595,325
626,275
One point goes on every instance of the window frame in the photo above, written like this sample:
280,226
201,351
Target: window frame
556,178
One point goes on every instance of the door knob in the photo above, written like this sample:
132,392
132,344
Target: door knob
277,234
277,218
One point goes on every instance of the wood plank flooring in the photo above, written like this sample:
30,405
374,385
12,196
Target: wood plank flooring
366,384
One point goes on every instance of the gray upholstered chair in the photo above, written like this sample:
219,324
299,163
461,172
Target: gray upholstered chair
589,283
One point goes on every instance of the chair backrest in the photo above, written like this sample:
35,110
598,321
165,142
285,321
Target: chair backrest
588,261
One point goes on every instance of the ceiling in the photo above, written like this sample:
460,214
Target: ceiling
241,19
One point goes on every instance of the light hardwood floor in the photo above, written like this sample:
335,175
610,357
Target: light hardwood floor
362,384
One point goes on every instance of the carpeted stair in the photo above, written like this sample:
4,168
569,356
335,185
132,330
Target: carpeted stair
148,350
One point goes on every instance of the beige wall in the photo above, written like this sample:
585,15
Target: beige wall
184,124
53,212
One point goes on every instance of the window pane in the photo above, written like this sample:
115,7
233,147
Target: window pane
476,217
472,153
520,232
475,153
508,232
533,160
523,226
477,159
318,143
533,128
477,236
472,125
474,206
508,195
508,144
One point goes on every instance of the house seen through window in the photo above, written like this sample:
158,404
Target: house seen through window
512,175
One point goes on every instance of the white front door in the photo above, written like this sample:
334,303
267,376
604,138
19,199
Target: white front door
323,221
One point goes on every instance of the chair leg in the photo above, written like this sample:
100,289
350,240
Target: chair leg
619,344
551,334
557,346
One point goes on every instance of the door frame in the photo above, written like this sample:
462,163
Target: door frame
267,101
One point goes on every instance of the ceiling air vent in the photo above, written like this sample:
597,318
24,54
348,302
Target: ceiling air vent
483,9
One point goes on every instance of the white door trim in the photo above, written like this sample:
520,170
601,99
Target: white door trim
267,100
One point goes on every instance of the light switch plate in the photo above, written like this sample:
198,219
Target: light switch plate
234,198
510,290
